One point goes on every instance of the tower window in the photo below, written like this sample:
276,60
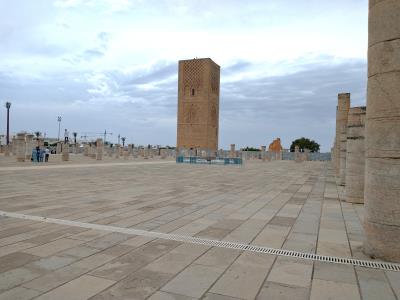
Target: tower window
192,92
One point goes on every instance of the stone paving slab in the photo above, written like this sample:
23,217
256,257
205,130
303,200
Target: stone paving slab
277,204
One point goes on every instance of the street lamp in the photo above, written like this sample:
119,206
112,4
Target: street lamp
59,124
8,105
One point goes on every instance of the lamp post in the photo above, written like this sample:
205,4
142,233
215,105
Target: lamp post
59,125
8,105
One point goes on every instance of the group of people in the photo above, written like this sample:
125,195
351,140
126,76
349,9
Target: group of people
39,154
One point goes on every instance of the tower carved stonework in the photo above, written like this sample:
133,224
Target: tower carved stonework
198,104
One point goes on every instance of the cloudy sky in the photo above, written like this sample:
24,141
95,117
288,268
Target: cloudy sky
112,64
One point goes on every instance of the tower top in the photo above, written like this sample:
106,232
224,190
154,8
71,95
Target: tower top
197,59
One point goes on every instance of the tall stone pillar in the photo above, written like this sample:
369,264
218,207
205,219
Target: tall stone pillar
382,166
125,154
342,155
263,149
86,150
99,149
233,152
59,147
65,152
355,156
20,147
297,157
14,146
6,150
117,151
29,146
342,110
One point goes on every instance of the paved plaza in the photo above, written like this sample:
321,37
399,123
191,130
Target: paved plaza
279,204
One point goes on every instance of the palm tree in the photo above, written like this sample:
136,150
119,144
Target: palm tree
123,141
75,134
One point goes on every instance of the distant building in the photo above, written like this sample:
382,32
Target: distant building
198,104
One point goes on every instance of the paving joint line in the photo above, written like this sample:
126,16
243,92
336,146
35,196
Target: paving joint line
214,243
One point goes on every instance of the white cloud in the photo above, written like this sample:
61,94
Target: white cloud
118,58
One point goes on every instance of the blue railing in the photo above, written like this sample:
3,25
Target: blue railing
210,161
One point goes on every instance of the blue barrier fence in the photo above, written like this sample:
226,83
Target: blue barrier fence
214,161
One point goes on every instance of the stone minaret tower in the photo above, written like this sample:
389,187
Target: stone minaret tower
198,104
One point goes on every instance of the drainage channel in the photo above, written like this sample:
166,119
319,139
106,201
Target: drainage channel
214,243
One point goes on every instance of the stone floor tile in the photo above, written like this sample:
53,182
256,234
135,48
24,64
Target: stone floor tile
394,279
291,272
51,263
272,290
133,261
79,252
194,281
211,296
15,260
107,241
53,247
244,277
272,236
333,249
83,287
61,276
89,235
168,296
218,257
176,260
19,293
139,285
15,277
5,250
282,221
118,250
332,290
374,284
334,272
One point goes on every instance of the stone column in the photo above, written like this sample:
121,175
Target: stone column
233,152
342,155
7,150
125,154
65,152
382,166
342,110
306,154
116,151
355,155
20,147
86,150
14,145
29,146
297,157
41,143
279,155
263,149
99,149
58,149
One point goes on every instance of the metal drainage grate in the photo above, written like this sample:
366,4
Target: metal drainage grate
214,243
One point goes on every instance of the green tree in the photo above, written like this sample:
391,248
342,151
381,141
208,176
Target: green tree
305,143
250,149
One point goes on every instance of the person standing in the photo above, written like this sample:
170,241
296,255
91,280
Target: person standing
66,136
47,154
38,154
